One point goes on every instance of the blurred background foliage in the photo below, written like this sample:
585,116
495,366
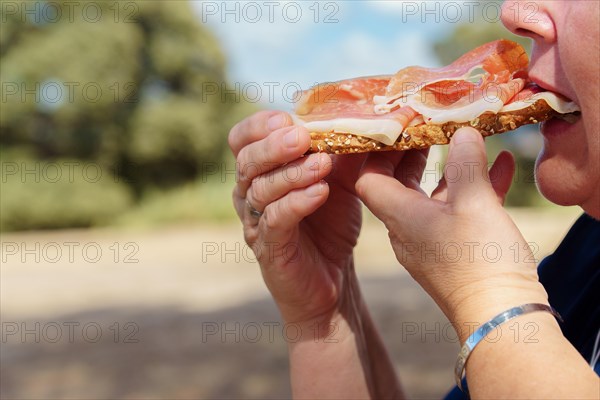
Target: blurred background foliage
126,94
143,97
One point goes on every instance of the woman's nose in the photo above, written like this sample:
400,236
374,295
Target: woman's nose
530,19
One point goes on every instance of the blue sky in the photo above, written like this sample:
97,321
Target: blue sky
277,45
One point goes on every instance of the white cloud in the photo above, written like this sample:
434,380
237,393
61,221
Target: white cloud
360,53
363,53
242,24
256,39
305,53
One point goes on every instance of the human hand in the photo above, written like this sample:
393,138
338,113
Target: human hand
460,245
311,216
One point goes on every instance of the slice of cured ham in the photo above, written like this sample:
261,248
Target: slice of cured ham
496,61
347,106
489,79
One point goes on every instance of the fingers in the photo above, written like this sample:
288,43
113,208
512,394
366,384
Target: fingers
260,144
441,191
278,148
284,196
410,171
384,163
256,127
281,217
501,174
408,166
301,173
345,170
466,170
381,192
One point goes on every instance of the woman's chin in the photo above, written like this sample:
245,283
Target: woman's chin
556,181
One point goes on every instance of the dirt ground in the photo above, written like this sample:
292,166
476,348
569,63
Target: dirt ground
182,313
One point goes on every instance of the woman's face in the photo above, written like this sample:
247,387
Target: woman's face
566,60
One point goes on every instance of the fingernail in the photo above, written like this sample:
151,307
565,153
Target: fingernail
290,139
316,189
276,122
465,136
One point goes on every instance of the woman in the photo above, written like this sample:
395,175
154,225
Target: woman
311,225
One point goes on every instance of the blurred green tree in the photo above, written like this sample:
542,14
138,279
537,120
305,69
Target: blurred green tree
521,143
137,87
467,36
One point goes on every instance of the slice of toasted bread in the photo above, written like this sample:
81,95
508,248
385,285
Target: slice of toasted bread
426,135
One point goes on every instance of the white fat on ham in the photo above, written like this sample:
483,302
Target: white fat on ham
356,93
554,101
383,108
472,110
383,104
418,120
468,112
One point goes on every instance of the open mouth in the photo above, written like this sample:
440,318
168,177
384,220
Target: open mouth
562,125
570,118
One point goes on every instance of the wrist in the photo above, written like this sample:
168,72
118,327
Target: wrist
348,361
341,354
345,320
329,328
485,303
320,314
330,364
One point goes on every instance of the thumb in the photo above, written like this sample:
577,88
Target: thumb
381,192
466,169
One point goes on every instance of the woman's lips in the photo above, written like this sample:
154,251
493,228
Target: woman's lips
546,86
557,127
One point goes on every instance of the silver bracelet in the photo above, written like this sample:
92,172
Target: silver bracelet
486,328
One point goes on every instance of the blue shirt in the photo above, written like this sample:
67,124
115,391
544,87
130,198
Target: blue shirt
571,276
